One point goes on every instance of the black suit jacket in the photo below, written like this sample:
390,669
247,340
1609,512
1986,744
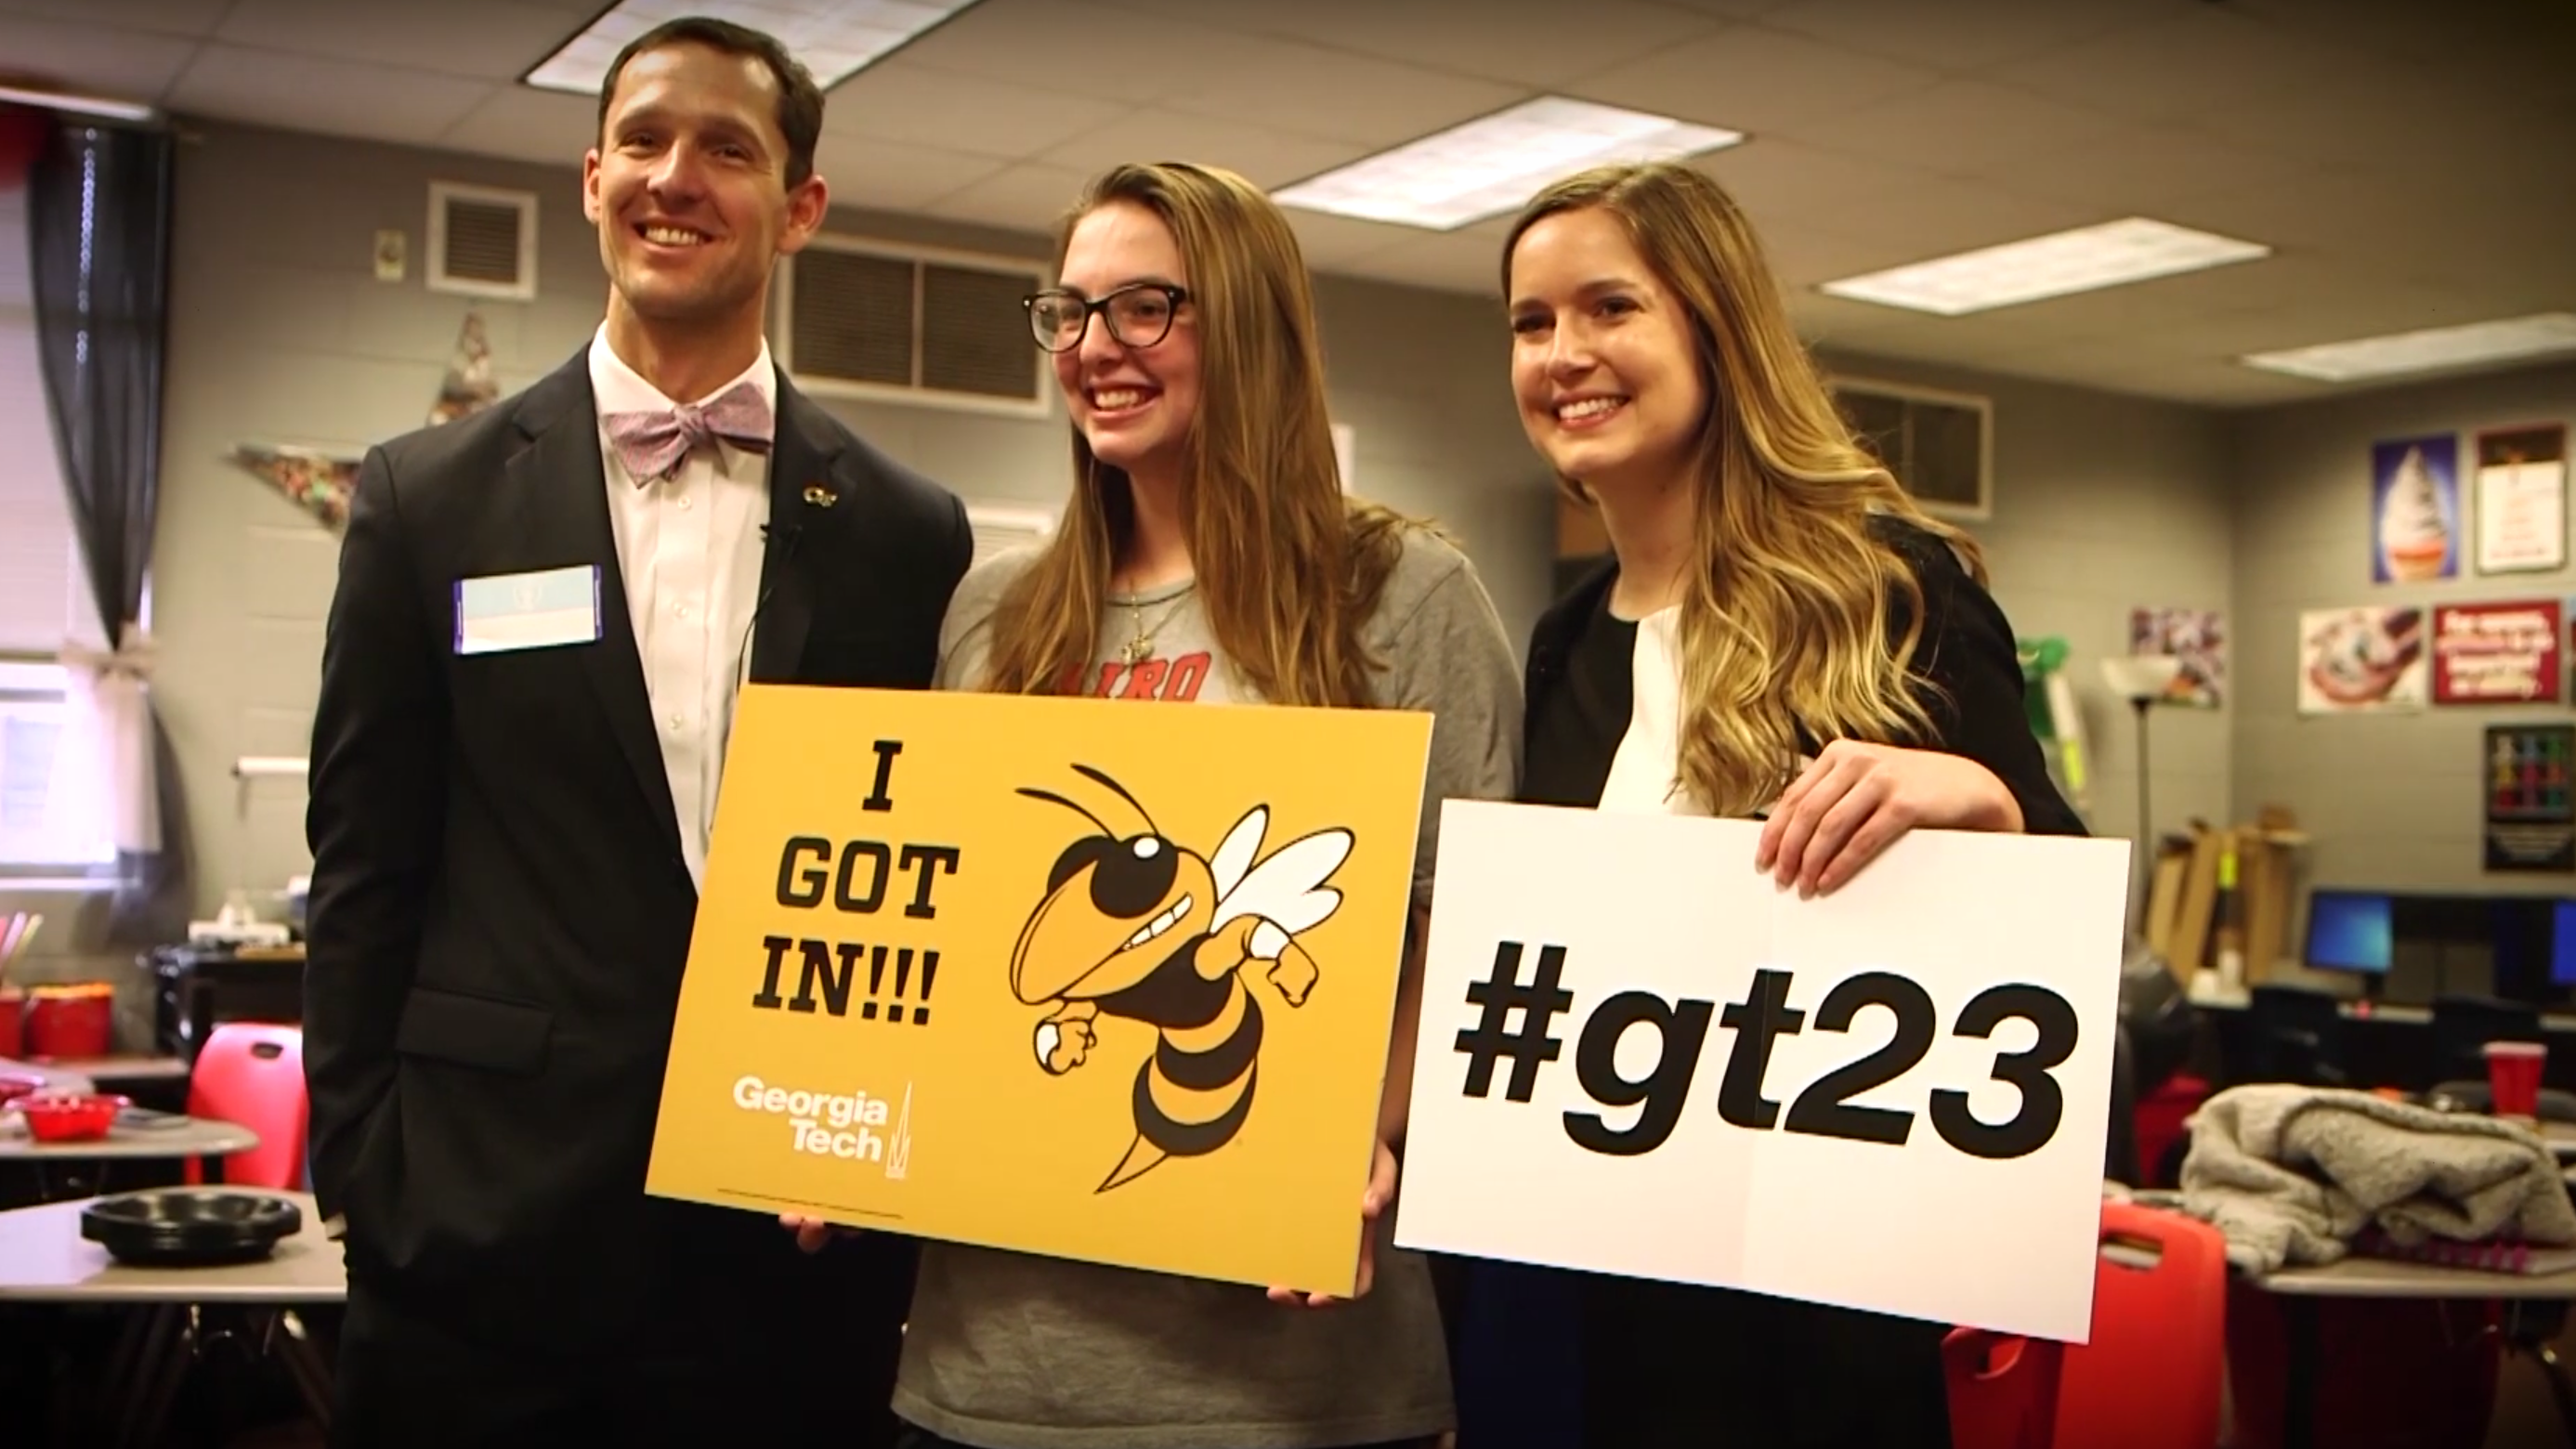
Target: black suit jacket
1966,666
500,913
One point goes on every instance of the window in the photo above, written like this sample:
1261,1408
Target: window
49,826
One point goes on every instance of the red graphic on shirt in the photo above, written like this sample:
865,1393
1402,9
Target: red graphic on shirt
1173,681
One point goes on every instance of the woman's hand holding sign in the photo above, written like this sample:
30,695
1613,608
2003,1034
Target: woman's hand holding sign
1856,799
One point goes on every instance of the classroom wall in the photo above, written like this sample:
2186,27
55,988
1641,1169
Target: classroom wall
280,333
2105,503
2393,799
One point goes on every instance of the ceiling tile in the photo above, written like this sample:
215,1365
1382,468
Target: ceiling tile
896,176
1935,216
1527,42
1073,45
1753,79
1781,182
1459,261
526,124
2180,66
112,63
1329,241
1375,103
485,39
1024,197
2139,168
1956,35
1957,127
905,100
1801,257
341,98
1268,158
159,17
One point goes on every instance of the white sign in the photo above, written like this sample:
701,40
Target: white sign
1640,1057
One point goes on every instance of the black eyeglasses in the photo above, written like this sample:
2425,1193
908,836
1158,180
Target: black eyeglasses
1138,314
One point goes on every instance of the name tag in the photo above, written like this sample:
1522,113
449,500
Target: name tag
528,611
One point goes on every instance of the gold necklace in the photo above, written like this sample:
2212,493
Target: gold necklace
1138,648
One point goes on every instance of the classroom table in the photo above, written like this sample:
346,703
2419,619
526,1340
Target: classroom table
55,1078
187,1137
44,1259
2535,1308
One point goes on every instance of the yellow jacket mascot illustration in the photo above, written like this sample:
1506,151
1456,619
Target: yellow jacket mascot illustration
1139,928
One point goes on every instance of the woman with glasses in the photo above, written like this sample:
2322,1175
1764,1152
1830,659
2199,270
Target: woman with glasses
1209,554
1780,632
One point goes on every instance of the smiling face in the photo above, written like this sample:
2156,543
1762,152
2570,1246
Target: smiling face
1135,405
1603,366
688,189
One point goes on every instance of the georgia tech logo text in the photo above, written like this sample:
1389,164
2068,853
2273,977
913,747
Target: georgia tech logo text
836,1124
1134,926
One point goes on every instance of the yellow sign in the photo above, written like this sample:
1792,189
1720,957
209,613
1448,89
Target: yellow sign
1078,977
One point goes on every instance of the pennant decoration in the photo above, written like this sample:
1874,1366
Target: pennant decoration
320,482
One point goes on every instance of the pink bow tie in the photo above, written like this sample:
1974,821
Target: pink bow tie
651,444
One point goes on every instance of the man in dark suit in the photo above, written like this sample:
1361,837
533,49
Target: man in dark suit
543,613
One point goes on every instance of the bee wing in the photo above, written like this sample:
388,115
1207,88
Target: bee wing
1288,889
1234,858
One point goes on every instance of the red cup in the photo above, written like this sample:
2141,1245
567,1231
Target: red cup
13,1012
71,1022
2513,1076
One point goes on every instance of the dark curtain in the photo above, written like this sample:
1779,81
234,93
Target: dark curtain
98,217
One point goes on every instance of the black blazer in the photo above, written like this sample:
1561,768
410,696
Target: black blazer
500,913
1967,657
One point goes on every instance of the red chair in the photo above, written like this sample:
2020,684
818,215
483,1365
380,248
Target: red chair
2149,1376
252,1074
2003,1389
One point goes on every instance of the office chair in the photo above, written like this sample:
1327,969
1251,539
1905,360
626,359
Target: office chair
2463,1025
2297,1037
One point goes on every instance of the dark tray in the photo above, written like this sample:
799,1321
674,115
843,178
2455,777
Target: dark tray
189,1227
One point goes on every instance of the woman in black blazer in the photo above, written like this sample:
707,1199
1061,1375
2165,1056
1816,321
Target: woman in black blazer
1780,632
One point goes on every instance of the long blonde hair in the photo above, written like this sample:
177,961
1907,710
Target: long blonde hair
1289,567
1785,607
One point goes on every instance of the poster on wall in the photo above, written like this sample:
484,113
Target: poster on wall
2415,509
2505,653
2194,636
2361,659
2522,500
2531,803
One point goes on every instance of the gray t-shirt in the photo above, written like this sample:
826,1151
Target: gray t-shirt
1017,1351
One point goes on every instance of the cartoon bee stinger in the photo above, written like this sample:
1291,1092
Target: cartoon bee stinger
1134,926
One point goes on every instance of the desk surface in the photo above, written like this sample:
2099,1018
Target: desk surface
57,1078
44,1259
195,1137
2359,1276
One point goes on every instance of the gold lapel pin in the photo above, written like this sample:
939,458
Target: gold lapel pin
819,496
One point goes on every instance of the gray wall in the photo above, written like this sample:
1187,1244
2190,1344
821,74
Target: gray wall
2394,800
2104,503
280,333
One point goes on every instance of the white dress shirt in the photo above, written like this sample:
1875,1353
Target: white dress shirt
689,547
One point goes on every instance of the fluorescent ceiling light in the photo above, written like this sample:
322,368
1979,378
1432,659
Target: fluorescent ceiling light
101,106
2088,258
832,38
2429,350
1494,164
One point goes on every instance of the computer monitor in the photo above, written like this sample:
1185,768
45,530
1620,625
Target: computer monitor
2562,942
2351,931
